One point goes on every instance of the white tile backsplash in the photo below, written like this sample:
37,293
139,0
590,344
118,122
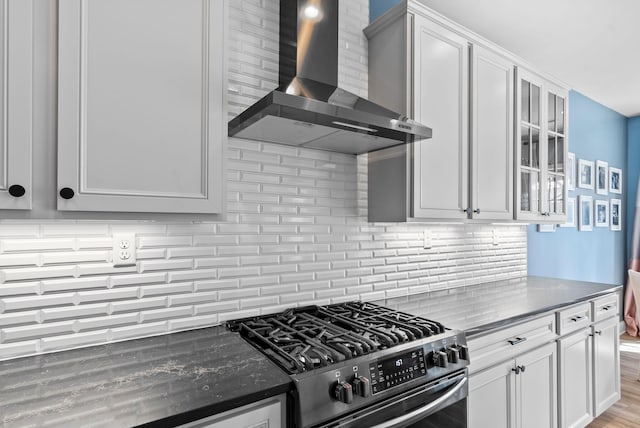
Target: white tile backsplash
296,234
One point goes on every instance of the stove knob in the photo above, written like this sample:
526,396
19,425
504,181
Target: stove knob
343,392
441,359
464,352
453,354
362,386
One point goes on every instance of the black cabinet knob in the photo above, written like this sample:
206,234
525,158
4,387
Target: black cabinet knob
67,193
17,190
477,211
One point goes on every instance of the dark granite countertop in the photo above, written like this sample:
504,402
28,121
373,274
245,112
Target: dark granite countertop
181,377
478,309
160,381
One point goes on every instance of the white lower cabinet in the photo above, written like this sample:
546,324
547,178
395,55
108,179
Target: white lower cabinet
560,369
492,394
517,393
589,370
576,396
267,413
606,364
536,393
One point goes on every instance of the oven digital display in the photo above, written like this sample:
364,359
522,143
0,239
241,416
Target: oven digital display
397,370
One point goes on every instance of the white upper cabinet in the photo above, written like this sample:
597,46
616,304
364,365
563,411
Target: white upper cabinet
16,74
441,97
492,81
464,87
541,185
141,120
464,91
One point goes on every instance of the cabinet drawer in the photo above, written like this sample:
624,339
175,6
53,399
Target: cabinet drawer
605,307
574,318
510,342
266,413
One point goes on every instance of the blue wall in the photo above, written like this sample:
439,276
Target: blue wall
378,7
595,133
631,175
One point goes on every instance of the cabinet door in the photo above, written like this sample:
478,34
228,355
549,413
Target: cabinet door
574,378
606,368
440,78
491,135
528,156
491,401
536,388
141,99
16,49
555,187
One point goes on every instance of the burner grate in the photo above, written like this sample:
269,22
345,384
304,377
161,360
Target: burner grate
303,339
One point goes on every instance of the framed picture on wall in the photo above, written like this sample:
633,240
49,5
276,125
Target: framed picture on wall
616,214
571,171
602,178
585,213
546,228
571,213
586,174
601,211
615,180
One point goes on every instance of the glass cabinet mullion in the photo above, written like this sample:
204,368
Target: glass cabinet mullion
543,146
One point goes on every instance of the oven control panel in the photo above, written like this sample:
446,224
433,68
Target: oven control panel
397,370
359,382
367,378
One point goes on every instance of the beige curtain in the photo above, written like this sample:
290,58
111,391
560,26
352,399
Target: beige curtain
630,313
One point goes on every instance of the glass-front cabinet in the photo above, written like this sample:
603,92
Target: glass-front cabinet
541,150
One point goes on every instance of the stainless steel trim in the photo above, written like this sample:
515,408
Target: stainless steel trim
308,92
423,411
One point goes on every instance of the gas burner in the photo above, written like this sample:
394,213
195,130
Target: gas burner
307,338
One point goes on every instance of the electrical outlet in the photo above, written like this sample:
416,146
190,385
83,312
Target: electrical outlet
124,249
426,239
496,237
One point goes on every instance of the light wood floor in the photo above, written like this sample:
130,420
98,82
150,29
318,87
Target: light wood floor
626,412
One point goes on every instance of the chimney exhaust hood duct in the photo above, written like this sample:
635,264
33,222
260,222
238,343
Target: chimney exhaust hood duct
308,109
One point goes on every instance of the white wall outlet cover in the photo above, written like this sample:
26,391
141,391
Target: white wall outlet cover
426,239
496,237
124,249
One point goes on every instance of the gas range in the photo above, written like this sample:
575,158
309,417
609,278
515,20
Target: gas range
351,361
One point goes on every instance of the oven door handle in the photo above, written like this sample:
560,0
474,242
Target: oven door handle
425,410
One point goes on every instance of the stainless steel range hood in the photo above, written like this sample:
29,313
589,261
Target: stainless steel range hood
308,109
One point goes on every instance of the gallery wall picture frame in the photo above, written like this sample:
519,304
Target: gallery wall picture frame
616,214
601,212
546,228
586,174
602,177
585,213
571,171
615,180
571,213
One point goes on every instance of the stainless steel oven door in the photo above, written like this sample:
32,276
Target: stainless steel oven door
439,404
